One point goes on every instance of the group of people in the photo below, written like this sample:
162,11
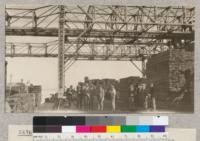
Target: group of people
91,96
140,94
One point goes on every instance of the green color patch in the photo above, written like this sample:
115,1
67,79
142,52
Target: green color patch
128,128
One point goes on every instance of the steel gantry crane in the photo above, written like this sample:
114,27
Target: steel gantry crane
115,33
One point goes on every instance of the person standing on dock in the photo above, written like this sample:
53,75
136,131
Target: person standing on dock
79,96
91,95
100,96
70,95
153,98
113,94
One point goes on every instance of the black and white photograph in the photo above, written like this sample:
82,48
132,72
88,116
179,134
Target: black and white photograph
99,59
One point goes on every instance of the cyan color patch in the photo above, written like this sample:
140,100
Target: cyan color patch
142,128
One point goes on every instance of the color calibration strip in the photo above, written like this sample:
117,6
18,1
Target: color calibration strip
99,129
100,120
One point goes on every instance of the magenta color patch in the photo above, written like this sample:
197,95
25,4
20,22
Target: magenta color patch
82,129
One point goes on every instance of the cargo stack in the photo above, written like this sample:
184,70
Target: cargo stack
171,72
22,97
106,84
36,90
181,62
157,71
124,85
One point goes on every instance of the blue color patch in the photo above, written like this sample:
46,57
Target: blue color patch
142,128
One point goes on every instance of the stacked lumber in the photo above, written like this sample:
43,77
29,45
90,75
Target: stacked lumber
168,71
157,71
124,85
180,61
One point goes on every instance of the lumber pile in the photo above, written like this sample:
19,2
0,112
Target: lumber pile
171,71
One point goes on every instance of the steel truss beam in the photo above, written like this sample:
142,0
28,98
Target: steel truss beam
108,21
51,32
100,32
86,51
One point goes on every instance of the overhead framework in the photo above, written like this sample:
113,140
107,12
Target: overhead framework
119,33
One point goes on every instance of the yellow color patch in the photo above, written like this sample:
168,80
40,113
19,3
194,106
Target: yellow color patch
113,129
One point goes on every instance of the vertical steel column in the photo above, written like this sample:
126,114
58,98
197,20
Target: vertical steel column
34,24
61,43
6,64
143,67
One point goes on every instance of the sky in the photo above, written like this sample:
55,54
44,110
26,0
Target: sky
43,71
